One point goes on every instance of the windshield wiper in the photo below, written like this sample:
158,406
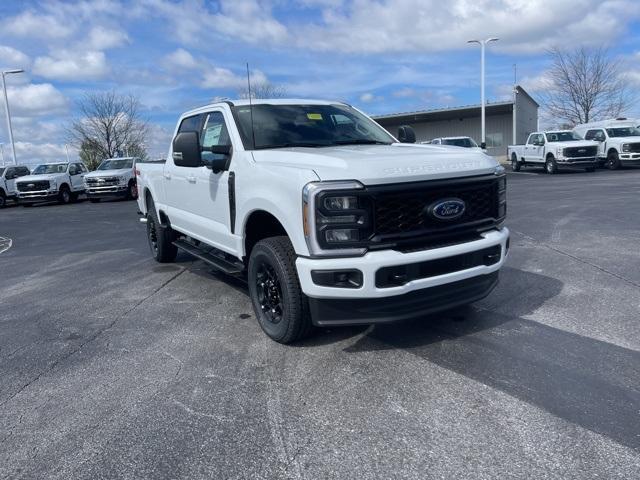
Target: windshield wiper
291,144
360,141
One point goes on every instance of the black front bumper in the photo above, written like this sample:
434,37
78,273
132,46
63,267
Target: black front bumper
579,163
115,194
49,197
363,311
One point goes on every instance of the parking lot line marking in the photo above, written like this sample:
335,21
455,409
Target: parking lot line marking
5,244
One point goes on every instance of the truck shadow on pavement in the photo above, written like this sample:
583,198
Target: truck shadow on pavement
587,382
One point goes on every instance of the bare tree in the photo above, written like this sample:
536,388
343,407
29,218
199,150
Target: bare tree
263,90
109,125
585,85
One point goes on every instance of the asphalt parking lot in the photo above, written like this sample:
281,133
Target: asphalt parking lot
113,366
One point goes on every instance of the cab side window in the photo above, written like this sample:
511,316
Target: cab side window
597,135
11,173
214,133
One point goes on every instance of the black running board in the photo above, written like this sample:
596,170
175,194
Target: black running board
216,261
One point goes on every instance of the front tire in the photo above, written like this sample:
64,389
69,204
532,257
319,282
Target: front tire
160,237
64,196
3,200
280,306
613,161
551,166
132,191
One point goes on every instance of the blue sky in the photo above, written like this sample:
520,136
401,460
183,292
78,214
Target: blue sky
383,56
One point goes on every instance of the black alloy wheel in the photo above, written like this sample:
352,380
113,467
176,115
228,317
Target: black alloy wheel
269,292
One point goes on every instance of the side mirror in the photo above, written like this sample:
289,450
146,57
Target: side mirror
221,161
186,150
483,145
406,134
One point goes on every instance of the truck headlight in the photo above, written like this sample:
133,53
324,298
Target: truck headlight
626,147
336,218
559,152
53,185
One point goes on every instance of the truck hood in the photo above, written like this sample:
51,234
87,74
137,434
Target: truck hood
108,173
380,164
582,143
38,178
625,139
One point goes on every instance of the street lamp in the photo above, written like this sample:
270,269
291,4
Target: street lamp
6,103
2,153
482,44
66,147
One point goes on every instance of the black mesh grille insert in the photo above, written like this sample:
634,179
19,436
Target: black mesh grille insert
577,152
33,186
403,211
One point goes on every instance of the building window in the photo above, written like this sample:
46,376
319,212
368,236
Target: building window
495,140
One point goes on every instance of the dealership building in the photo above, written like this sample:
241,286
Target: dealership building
504,121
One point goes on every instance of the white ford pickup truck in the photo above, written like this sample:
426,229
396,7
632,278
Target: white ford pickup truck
618,141
329,218
8,176
554,150
113,178
52,181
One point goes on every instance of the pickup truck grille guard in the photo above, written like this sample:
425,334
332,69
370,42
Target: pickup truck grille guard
399,219
580,152
33,186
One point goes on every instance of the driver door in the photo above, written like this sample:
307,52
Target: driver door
76,177
210,191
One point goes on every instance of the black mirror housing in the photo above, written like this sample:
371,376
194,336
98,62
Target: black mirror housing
186,150
406,134
483,145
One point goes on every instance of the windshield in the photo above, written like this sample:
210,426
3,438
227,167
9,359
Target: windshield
460,142
117,164
562,136
623,132
279,126
52,168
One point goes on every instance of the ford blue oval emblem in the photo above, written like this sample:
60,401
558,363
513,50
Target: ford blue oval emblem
447,209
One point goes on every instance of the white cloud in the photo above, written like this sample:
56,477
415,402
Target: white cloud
369,97
425,25
34,153
101,38
216,77
70,65
180,59
36,99
29,24
13,58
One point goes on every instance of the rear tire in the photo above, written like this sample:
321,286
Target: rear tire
160,237
551,166
613,161
64,196
3,200
515,164
280,306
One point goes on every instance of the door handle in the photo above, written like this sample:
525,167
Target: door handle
191,179
167,175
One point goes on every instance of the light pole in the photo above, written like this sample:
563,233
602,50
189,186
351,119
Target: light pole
66,147
6,104
483,44
2,152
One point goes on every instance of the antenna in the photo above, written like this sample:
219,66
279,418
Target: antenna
253,135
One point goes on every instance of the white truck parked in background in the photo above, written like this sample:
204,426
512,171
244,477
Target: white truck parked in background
553,150
52,181
8,176
465,142
330,219
618,141
114,177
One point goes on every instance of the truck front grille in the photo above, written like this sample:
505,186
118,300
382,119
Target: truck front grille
102,181
33,186
580,152
401,211
634,147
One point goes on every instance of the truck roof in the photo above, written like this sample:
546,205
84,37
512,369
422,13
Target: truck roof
618,122
266,101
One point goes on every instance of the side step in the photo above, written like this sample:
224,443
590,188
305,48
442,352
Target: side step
210,257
